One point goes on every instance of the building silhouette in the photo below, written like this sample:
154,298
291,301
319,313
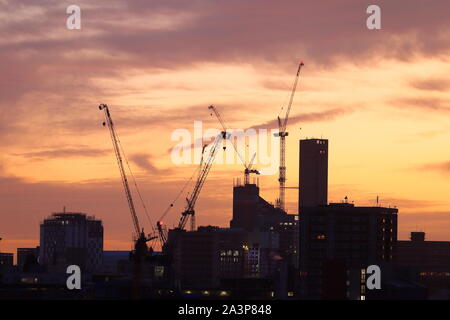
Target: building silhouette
26,257
258,252
271,228
6,259
71,238
429,261
201,258
313,173
339,239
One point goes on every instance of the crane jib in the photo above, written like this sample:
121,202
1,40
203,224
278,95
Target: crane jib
115,141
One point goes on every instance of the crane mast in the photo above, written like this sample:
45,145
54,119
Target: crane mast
115,141
141,239
140,244
205,167
282,133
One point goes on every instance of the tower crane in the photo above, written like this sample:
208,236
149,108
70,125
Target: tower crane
282,133
161,227
205,167
248,166
162,231
203,171
141,239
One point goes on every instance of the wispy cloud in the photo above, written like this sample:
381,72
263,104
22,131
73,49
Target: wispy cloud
144,161
442,167
441,85
65,153
325,115
431,104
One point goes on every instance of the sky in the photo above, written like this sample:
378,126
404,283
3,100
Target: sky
381,97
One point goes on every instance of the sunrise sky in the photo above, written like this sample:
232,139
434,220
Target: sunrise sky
381,97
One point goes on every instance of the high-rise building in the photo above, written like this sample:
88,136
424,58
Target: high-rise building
338,238
313,173
71,238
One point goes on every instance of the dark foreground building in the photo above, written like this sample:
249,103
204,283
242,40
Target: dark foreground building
269,228
429,261
338,240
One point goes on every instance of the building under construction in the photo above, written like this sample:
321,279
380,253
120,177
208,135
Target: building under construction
260,249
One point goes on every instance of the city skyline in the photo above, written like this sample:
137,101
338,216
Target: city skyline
382,101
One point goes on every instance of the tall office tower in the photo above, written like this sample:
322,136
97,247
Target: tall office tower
71,238
313,173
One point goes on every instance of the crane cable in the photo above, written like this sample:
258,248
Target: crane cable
179,194
137,189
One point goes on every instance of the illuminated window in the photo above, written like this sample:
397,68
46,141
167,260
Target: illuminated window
159,271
